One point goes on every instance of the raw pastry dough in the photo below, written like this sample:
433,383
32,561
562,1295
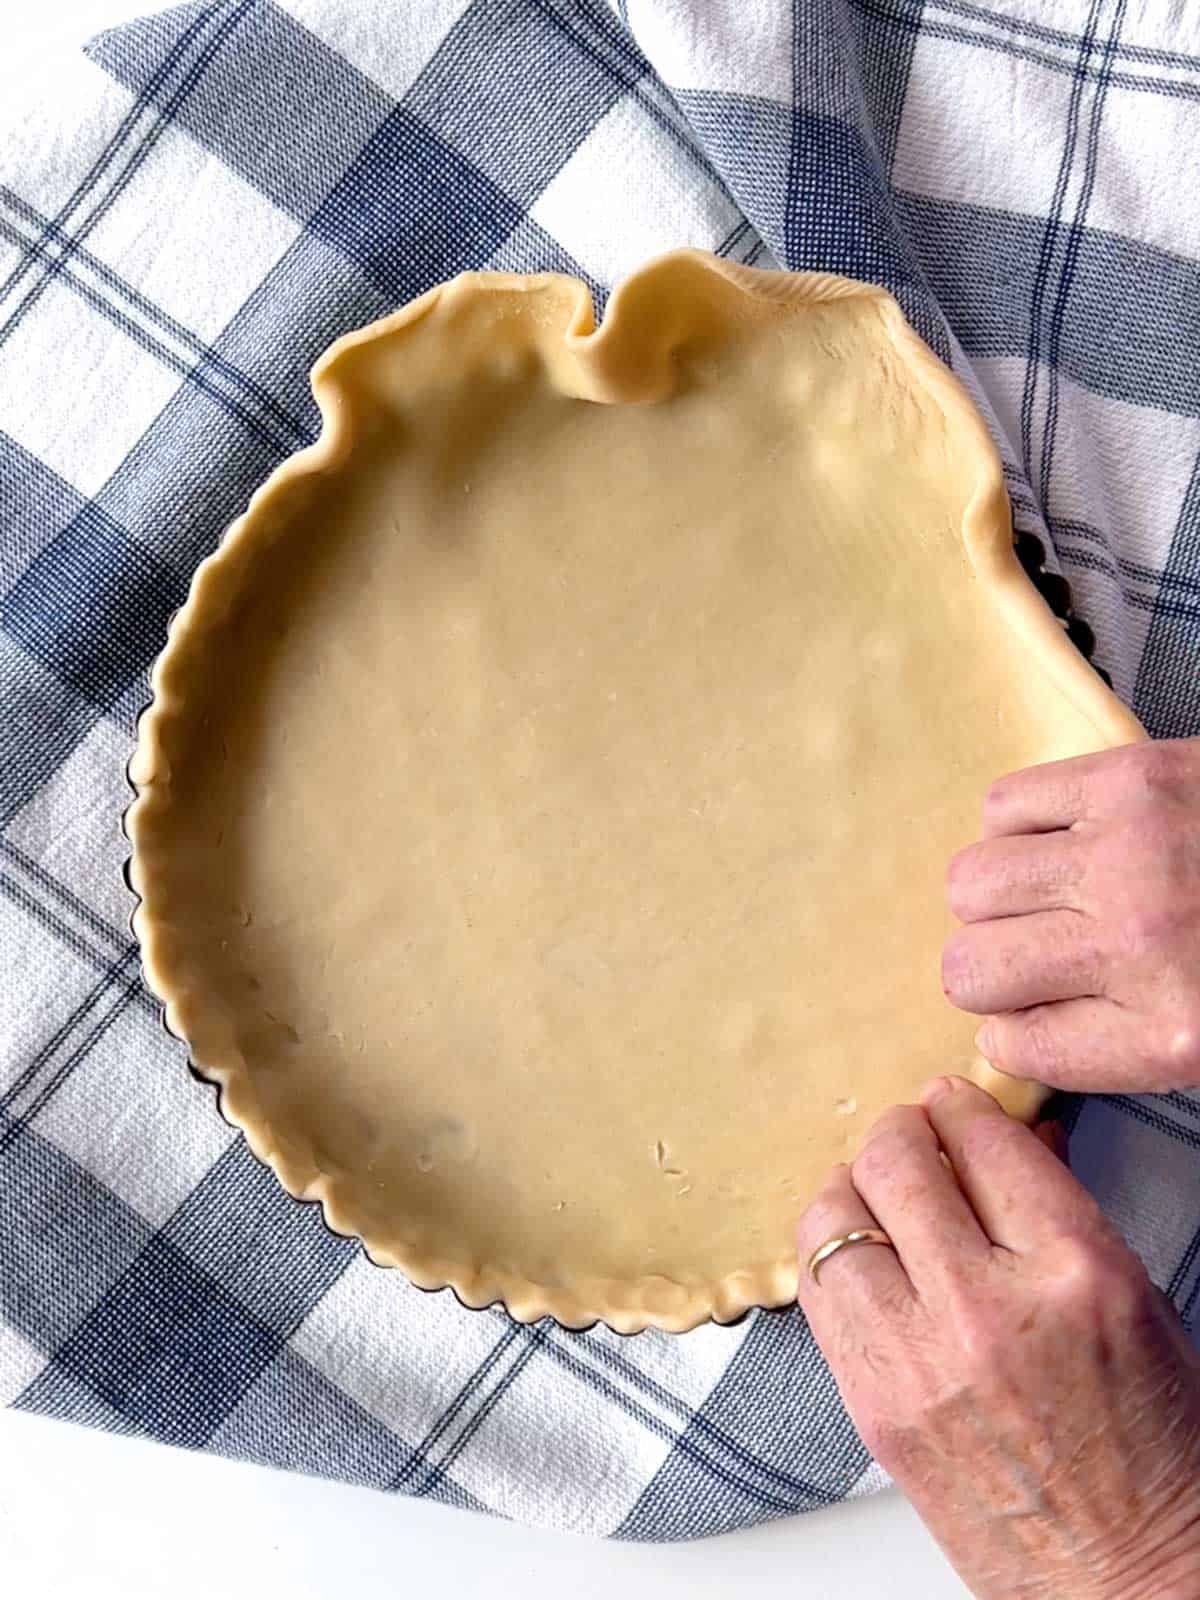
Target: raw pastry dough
545,800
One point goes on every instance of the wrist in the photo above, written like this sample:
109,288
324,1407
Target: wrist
1167,1568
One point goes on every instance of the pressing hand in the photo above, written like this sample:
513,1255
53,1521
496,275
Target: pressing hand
1008,1361
1082,912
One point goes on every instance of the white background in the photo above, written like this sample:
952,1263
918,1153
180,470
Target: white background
86,1513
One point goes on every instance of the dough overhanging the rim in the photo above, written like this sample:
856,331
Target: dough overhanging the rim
544,803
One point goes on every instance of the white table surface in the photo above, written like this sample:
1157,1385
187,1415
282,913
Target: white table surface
84,1513
87,1513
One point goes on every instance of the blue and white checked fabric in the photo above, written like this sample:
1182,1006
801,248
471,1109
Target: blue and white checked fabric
220,191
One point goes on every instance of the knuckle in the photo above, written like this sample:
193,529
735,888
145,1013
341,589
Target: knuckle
817,1225
960,968
1160,760
1144,930
890,1300
1154,842
1080,963
877,1159
960,881
1056,872
1037,1046
1153,836
1148,770
820,1221
981,1346
908,1121
1080,1274
1180,1051
989,1139
888,1155
1098,1276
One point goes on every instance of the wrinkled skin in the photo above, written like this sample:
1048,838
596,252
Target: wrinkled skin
1081,906
1009,1363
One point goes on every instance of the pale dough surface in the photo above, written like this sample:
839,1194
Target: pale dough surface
549,786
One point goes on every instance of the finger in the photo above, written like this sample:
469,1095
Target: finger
1015,962
1022,1195
1089,1044
1039,799
1022,1098
900,1174
860,1281
1061,794
1012,876
1054,1136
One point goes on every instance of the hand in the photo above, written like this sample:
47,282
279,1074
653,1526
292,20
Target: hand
1082,913
1009,1363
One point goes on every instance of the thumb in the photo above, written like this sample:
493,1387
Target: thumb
1054,1136
1083,1044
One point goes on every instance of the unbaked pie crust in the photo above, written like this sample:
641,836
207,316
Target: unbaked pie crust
543,807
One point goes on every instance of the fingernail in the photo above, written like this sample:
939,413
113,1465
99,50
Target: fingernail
935,1088
985,1040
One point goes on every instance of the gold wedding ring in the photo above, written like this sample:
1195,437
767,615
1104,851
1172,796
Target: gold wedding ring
831,1247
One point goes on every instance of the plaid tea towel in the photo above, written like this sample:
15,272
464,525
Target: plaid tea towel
208,199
